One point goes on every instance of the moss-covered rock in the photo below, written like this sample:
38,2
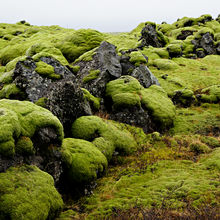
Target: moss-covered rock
79,42
125,84
165,64
184,97
126,100
91,127
24,146
10,91
93,74
23,118
84,162
137,58
210,94
46,70
124,92
175,50
199,147
92,99
28,193
156,101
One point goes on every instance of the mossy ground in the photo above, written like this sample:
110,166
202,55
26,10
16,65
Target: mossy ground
157,173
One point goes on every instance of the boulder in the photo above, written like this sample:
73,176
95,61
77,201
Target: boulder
107,62
150,37
144,76
66,100
29,134
205,42
35,84
28,193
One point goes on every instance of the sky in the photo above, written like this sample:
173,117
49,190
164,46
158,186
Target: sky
103,15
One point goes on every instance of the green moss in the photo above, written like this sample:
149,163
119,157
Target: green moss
79,42
162,52
159,105
212,161
196,120
93,74
125,84
217,37
11,52
184,96
41,102
2,69
167,184
211,94
46,70
92,99
22,191
199,147
24,146
46,50
105,146
137,58
174,50
210,141
83,160
125,100
91,127
6,77
87,56
23,118
165,64
75,69
11,65
203,31
67,215
9,90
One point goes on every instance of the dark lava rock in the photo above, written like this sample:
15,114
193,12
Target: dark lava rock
149,37
206,42
134,116
33,84
108,62
65,100
126,65
184,98
144,76
184,34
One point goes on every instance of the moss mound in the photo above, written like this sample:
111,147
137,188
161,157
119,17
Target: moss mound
28,193
22,118
79,42
159,105
84,162
211,94
92,127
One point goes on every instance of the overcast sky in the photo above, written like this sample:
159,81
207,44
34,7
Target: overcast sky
103,15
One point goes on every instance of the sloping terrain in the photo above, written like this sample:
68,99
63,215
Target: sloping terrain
110,126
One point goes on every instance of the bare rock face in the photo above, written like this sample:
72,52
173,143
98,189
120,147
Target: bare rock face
34,85
145,76
65,100
107,62
206,42
149,37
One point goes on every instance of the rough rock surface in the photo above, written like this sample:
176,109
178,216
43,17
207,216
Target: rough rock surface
65,100
108,62
144,76
135,116
149,37
33,84
206,42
